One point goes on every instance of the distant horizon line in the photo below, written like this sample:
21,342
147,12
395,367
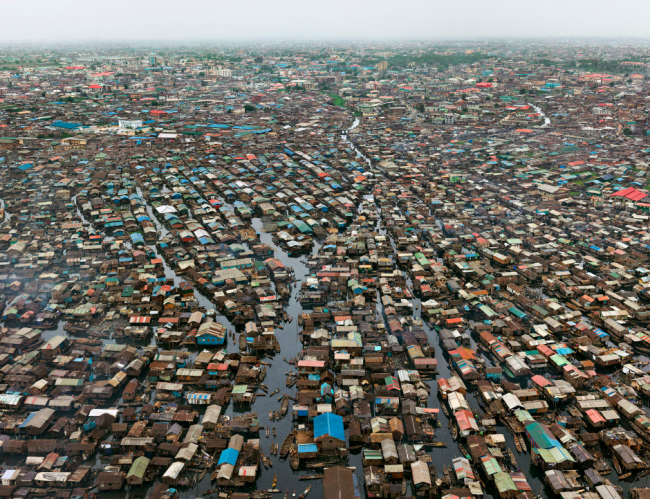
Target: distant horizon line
324,40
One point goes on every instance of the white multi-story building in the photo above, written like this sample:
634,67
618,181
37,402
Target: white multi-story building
130,123
223,73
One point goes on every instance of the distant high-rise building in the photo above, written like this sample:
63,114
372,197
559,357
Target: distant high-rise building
382,66
152,59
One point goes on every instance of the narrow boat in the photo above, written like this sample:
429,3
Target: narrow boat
617,465
464,451
285,406
511,454
524,448
293,457
274,392
321,465
311,477
304,494
275,481
267,432
274,431
286,444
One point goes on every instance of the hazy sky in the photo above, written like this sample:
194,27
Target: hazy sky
92,20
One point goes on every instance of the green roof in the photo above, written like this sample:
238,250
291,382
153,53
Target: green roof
487,311
504,482
555,455
491,465
139,467
523,416
559,360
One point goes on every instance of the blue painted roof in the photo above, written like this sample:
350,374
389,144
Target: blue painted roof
302,448
29,418
229,456
542,436
329,424
63,124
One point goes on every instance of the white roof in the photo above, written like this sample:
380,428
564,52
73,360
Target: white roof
174,470
9,474
95,413
512,401
165,209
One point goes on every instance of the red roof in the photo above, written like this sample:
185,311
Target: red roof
631,193
541,380
140,320
466,420
595,416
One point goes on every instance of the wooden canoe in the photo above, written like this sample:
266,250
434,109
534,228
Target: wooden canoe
511,454
293,457
286,445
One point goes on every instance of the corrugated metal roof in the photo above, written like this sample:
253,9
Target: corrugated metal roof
139,467
329,424
504,482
